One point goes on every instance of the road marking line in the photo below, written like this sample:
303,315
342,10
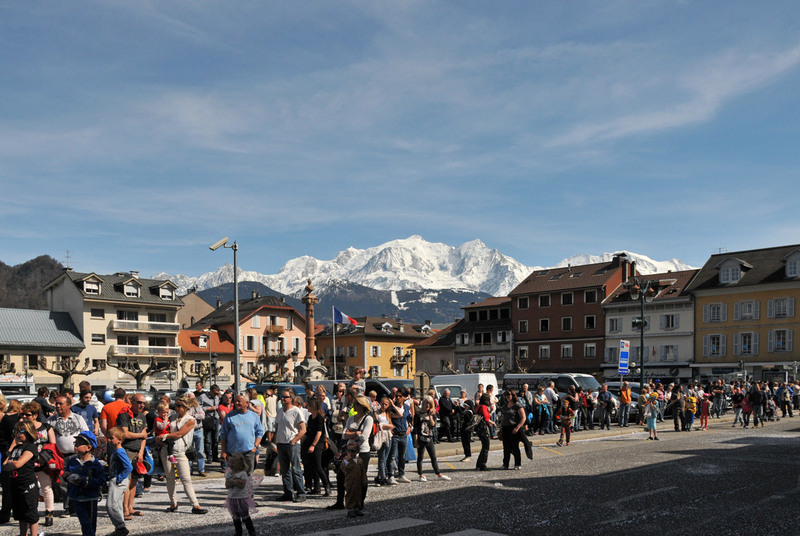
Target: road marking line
451,466
647,493
473,532
551,450
374,528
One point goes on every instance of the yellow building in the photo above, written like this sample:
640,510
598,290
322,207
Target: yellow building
745,315
381,345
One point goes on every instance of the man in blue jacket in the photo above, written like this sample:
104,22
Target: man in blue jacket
85,476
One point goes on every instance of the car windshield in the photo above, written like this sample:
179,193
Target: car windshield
587,382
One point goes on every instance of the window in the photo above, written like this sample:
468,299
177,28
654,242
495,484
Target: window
98,338
255,322
127,315
544,351
612,354
715,312
397,351
590,321
296,347
398,371
127,340
483,338
746,310
504,314
730,272
590,296
522,353
566,323
351,351
98,313
523,326
131,290
375,351
714,345
522,302
614,325
544,325
249,343
494,314
590,350
472,316
780,308
273,320
166,293
289,323
637,353
544,300
669,352
793,267
566,351
503,336
780,340
745,343
33,362
98,364
567,298
483,315
91,287
669,321
157,341
462,339
156,317
202,341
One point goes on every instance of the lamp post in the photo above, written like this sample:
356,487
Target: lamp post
642,292
236,356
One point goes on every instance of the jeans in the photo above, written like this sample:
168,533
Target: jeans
550,415
737,416
625,410
291,471
758,415
483,457
660,417
114,502
198,444
422,447
383,457
210,435
590,418
397,455
605,418
576,425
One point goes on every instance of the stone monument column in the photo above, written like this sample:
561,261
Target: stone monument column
310,368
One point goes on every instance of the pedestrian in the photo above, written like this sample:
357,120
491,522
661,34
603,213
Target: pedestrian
465,407
199,416
181,432
624,404
606,405
44,435
512,419
747,410
424,423
85,409
241,432
119,469
564,416
705,411
111,411
240,501
85,476
358,428
313,445
736,400
133,422
211,424
354,470
400,414
67,426
482,430
161,428
447,415
383,441
10,415
650,415
291,430
690,406
20,466
358,385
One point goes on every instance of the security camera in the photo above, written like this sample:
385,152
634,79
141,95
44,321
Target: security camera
219,244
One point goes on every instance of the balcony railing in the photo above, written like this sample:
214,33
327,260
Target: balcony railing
149,327
274,330
159,351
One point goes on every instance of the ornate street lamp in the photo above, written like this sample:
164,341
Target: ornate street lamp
642,292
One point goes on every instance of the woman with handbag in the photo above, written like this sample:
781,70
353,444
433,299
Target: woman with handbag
44,435
182,432
424,425
383,441
313,446
511,422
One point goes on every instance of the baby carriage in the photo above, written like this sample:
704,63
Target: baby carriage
771,411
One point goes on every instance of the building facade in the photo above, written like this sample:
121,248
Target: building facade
484,341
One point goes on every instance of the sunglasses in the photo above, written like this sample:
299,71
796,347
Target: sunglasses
286,397
27,414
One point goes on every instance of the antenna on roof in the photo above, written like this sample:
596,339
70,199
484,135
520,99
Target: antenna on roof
68,259
722,250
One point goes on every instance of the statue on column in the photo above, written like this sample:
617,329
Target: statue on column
310,368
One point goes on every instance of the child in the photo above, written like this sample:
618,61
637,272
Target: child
355,480
691,409
119,468
161,426
564,416
24,485
85,476
240,495
705,410
650,414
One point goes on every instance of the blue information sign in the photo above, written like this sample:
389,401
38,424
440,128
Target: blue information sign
624,355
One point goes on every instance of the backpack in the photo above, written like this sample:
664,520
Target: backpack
50,460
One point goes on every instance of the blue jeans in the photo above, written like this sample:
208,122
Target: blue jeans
397,455
383,456
625,410
198,444
291,472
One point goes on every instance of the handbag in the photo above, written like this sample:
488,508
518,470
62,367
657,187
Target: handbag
191,452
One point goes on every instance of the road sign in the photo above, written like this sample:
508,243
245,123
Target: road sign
624,355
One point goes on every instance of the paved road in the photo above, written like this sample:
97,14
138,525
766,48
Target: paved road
722,481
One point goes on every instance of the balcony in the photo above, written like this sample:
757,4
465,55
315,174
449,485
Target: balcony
145,327
145,351
274,330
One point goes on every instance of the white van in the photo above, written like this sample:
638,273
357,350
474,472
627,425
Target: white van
468,382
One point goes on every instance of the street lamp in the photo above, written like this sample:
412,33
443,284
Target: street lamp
644,292
236,357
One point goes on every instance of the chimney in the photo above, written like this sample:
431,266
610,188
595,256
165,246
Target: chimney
254,294
219,303
283,300
401,327
135,273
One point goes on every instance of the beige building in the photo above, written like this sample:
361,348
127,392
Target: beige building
125,320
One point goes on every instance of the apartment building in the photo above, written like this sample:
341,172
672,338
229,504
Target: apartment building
484,340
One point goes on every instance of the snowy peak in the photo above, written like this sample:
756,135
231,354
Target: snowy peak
407,264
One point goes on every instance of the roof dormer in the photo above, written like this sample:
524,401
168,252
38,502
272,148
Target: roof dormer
131,288
792,261
731,270
165,291
92,284
386,327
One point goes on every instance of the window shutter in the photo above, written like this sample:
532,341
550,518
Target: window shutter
677,321
706,345
790,307
663,325
663,351
675,353
737,343
770,308
737,311
723,345
770,341
756,310
755,343
789,340
724,312
705,314
647,319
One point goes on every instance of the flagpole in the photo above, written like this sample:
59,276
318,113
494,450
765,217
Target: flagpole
333,328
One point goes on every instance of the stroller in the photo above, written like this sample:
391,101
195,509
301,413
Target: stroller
771,411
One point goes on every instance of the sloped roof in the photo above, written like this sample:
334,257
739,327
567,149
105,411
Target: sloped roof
761,266
224,315
111,287
671,285
32,329
490,302
372,327
220,343
568,278
443,338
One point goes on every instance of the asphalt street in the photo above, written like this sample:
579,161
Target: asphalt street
721,481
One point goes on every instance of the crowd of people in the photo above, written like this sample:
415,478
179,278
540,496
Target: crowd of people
69,449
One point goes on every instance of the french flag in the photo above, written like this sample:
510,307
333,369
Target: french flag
341,318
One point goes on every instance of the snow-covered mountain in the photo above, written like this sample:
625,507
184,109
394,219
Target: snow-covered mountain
407,264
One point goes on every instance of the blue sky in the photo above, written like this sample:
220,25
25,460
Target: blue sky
135,134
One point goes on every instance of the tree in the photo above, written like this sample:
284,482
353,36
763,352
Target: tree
202,371
260,374
67,368
133,368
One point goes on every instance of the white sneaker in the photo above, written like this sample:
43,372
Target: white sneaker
422,478
404,480
391,481
466,458
444,477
